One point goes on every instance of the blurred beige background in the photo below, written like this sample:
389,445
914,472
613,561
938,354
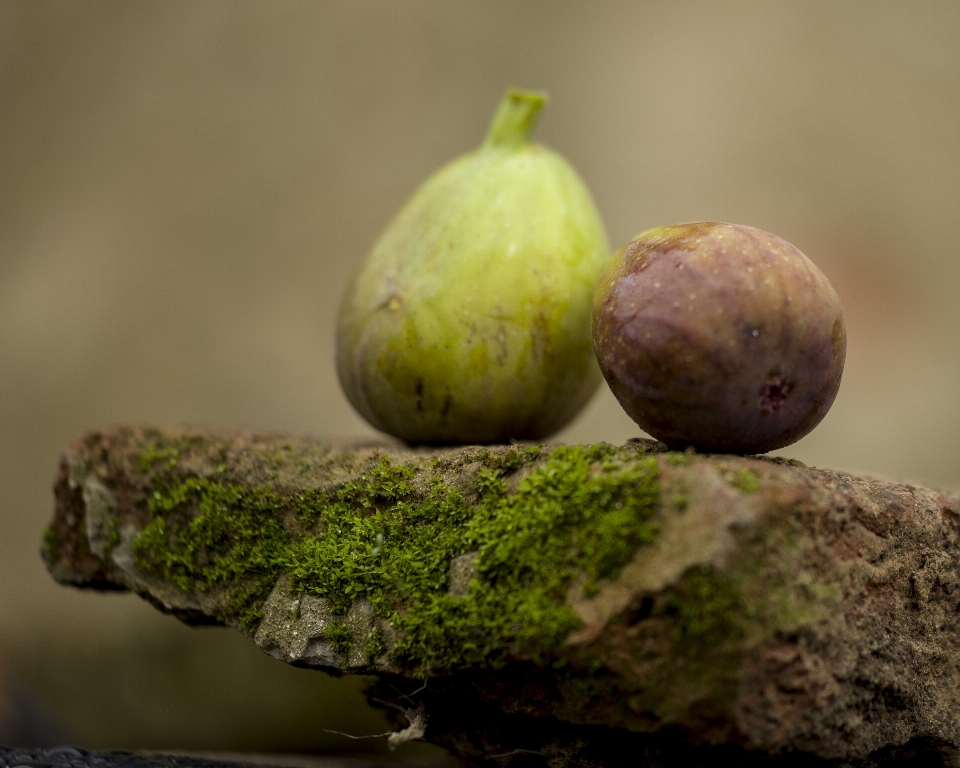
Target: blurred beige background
186,187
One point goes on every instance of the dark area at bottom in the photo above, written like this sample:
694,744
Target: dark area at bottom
600,752
481,734
71,757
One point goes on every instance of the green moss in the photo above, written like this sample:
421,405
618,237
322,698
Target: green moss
375,647
340,637
708,610
501,459
696,668
112,540
590,588
51,545
744,479
231,540
675,459
156,453
512,460
578,511
489,482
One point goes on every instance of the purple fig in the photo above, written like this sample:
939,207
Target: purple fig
719,336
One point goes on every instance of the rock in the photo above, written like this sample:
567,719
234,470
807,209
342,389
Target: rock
582,605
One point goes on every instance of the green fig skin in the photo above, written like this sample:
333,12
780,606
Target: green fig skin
719,336
469,321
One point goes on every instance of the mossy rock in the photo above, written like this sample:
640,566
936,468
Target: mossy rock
704,600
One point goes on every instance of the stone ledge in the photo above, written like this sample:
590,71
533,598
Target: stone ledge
579,603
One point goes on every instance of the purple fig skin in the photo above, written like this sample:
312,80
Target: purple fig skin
719,336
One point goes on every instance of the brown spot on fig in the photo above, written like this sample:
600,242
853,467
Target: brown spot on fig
775,391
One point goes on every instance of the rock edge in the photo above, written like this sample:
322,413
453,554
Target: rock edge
764,607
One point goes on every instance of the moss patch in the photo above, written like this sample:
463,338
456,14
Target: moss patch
51,545
709,610
692,638
156,454
744,479
340,637
537,518
676,459
374,647
205,534
113,539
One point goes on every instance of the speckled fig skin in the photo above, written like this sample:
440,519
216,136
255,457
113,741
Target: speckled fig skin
470,319
719,336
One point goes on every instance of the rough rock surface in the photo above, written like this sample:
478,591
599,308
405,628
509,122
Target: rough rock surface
581,605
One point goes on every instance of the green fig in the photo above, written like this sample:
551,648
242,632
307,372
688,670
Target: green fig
469,321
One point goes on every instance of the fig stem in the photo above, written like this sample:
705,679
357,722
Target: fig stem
514,119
